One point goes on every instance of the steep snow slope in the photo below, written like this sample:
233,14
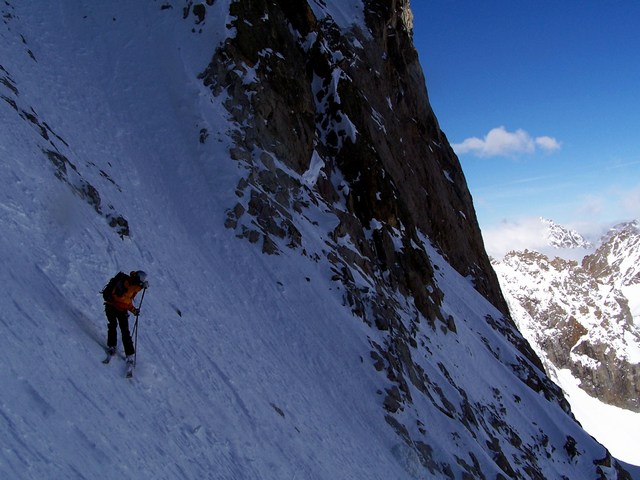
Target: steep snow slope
248,366
617,428
244,382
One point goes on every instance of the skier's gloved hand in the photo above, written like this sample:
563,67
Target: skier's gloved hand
135,311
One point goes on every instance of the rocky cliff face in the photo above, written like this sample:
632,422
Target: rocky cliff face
579,315
344,122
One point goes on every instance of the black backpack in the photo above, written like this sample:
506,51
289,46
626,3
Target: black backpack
116,281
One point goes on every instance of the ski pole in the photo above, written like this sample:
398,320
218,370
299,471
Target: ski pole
135,330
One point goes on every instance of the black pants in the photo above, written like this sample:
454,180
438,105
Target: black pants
117,317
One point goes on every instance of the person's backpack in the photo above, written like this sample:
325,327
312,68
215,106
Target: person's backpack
116,281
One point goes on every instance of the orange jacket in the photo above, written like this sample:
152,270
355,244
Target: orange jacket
125,301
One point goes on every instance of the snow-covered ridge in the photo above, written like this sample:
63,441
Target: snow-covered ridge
582,318
561,237
617,258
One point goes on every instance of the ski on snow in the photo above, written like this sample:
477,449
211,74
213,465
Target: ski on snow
129,370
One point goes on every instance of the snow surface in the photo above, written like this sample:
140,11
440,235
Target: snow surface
249,366
617,428
214,396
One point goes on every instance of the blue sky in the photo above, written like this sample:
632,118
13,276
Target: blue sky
541,101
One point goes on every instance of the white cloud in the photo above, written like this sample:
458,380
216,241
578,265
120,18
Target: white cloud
530,233
501,143
527,233
548,144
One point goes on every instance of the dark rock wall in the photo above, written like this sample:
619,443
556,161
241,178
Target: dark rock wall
400,170
427,178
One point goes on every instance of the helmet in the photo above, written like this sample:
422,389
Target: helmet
140,277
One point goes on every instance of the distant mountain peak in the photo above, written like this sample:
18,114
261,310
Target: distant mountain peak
559,236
